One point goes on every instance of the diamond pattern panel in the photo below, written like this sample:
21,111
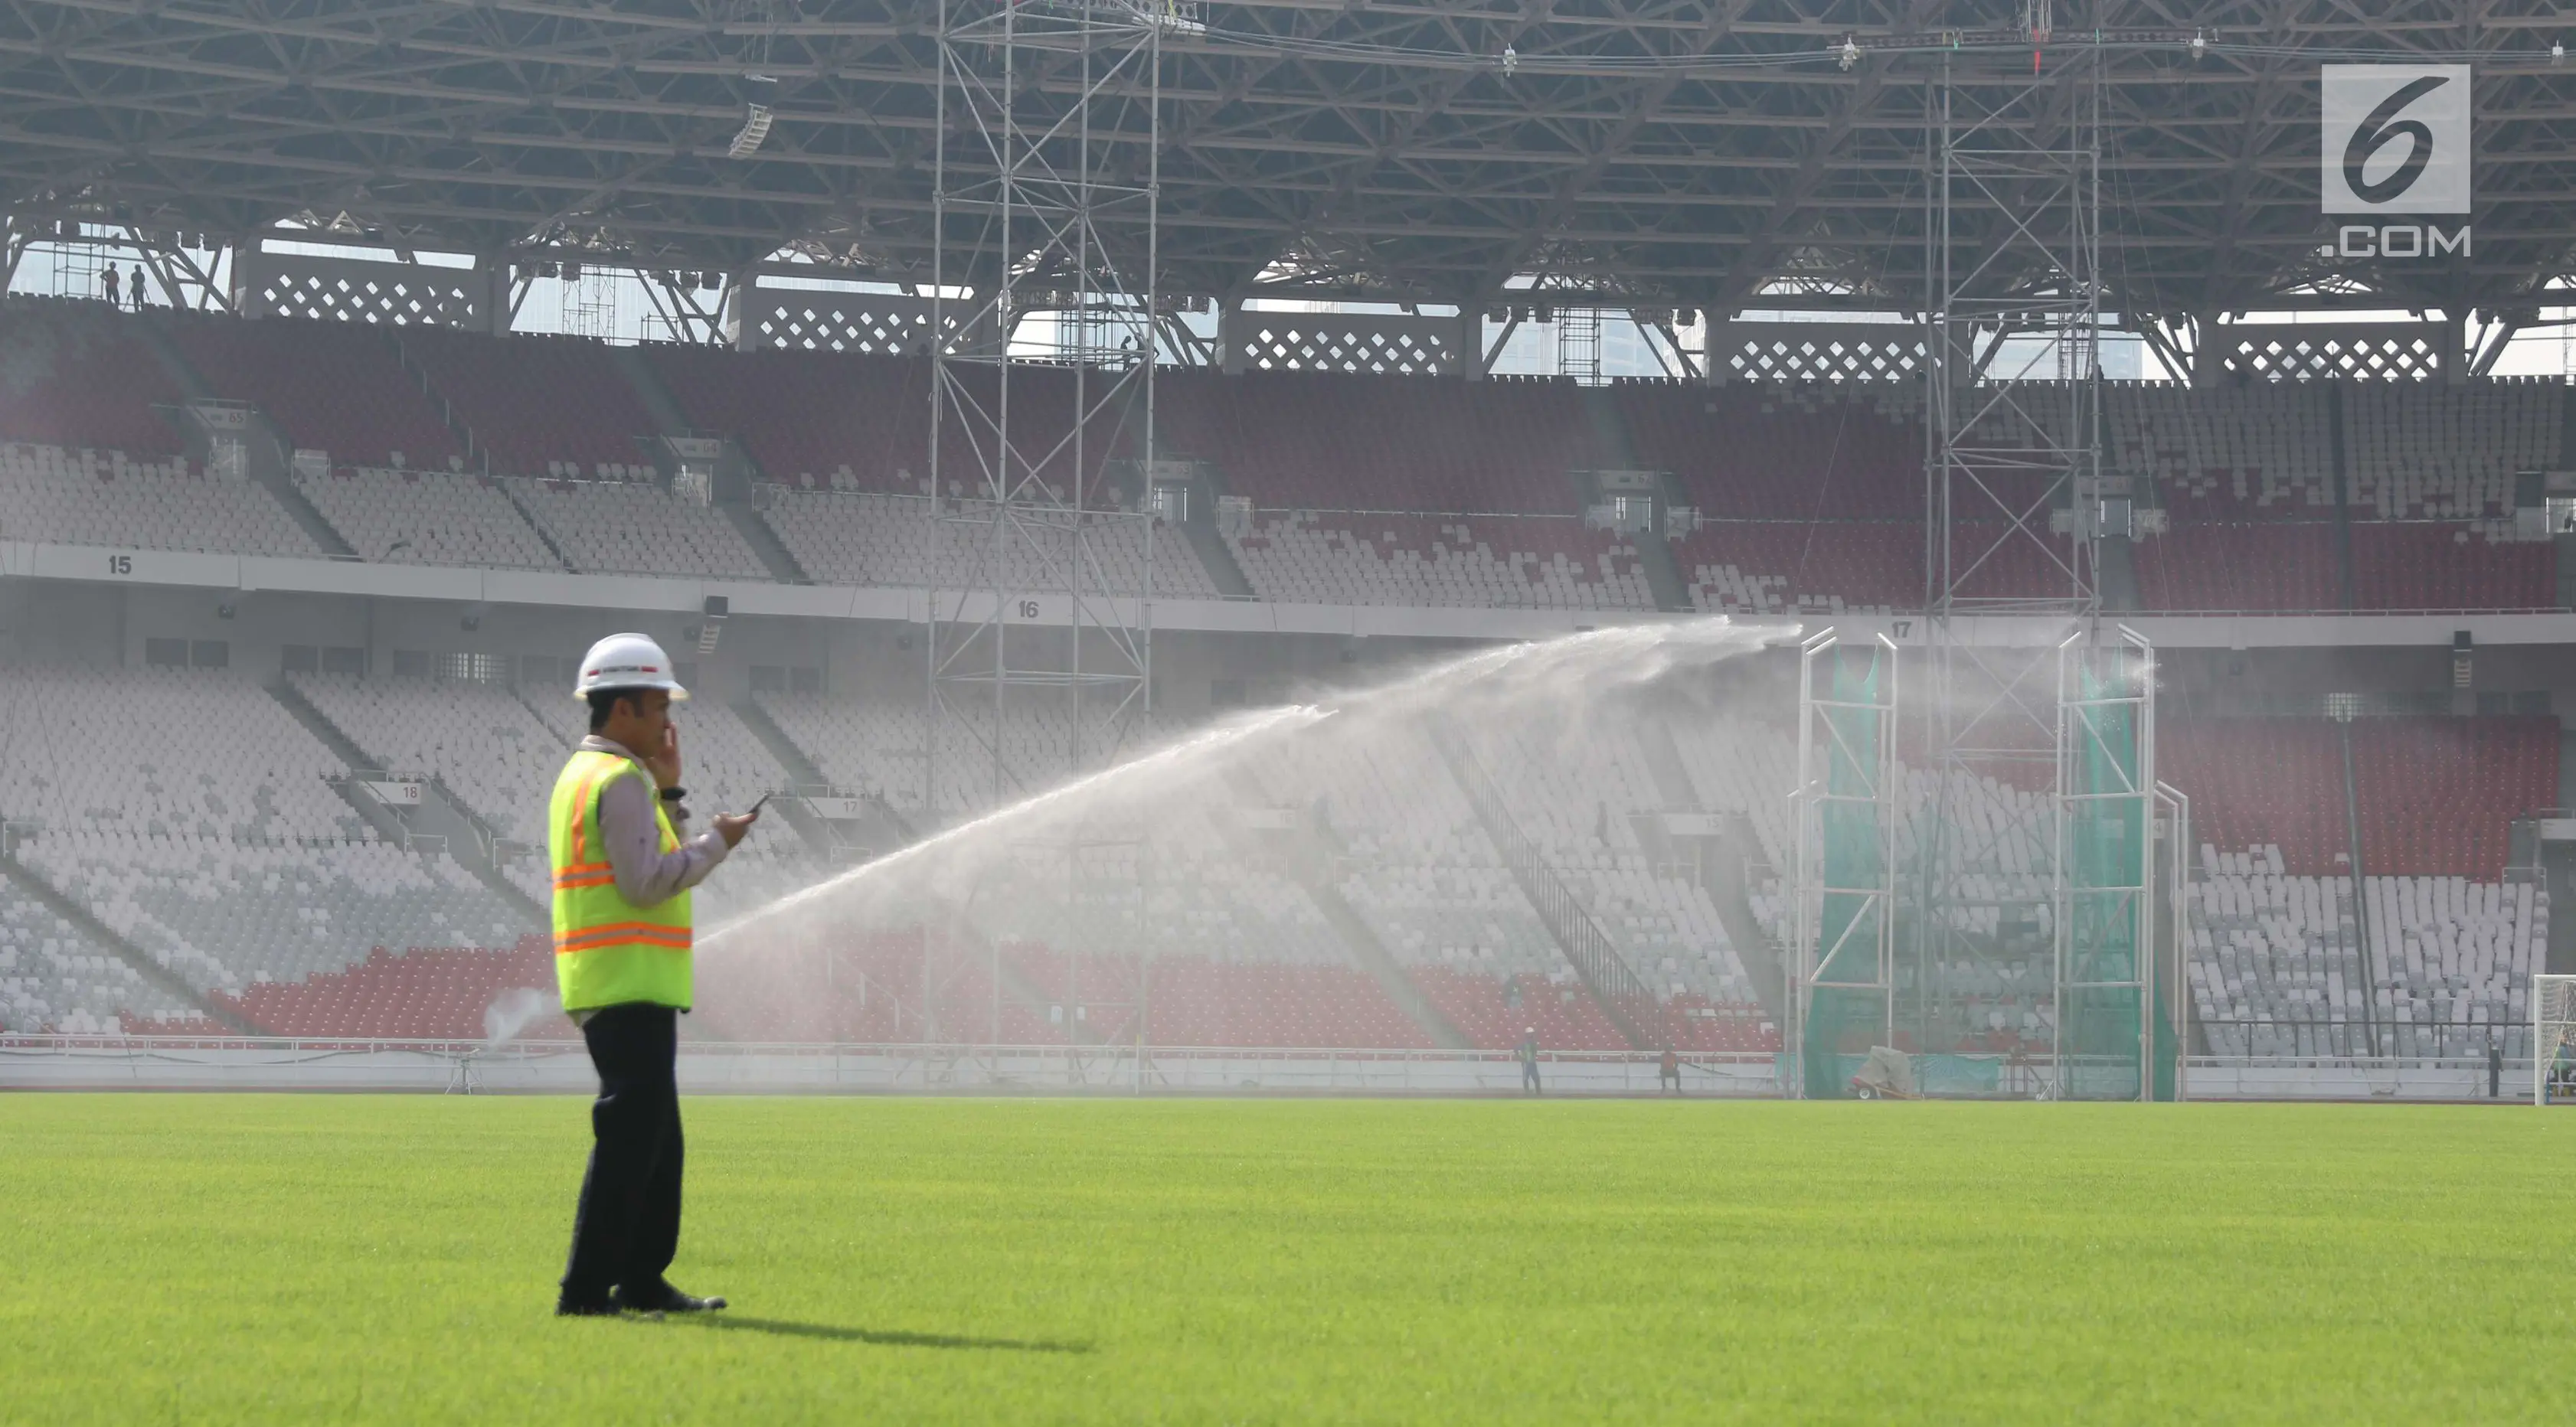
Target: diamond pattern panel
373,293
1835,354
823,325
1372,349
2289,354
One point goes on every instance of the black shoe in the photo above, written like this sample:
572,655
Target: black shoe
663,1298
585,1308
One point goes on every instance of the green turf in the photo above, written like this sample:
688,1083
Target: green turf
206,1259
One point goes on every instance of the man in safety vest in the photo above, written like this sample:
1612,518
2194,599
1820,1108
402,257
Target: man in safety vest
622,934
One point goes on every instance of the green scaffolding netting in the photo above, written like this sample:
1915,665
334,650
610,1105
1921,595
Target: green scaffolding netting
2109,870
1843,1023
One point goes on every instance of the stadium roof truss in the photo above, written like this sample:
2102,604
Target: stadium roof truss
1710,154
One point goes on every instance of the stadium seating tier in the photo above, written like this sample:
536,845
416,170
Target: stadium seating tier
338,387
79,376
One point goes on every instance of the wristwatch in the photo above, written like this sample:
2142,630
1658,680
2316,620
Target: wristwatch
674,793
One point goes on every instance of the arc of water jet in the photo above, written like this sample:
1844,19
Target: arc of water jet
1291,716
1466,671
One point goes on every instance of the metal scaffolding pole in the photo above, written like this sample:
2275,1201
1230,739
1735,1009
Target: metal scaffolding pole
2014,517
2106,890
1844,860
1044,302
1039,658
2174,830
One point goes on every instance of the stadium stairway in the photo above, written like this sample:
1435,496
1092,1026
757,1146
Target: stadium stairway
386,822
173,363
448,416
1307,864
1730,887
656,397
1614,985
2118,576
888,829
1223,570
1724,876
801,817
439,815
434,818
161,977
736,470
529,517
268,455
272,477
1654,556
444,815
764,542
269,451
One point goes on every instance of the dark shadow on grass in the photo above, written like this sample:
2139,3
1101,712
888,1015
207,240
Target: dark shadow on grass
882,1337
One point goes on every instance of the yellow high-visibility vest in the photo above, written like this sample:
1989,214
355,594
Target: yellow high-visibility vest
608,951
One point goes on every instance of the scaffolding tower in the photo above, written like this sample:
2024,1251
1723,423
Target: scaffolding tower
1039,661
1045,175
2029,904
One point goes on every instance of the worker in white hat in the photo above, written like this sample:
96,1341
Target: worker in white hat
623,931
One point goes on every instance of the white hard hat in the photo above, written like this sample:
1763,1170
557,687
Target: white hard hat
626,661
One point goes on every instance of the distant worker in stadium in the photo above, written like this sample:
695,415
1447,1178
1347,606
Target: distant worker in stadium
622,960
1529,1061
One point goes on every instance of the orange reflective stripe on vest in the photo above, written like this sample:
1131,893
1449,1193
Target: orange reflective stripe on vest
640,933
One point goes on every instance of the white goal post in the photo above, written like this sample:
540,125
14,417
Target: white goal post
2553,1032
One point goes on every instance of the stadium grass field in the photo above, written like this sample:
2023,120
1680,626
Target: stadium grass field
325,1258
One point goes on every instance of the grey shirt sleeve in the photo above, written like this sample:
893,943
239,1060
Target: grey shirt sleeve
646,875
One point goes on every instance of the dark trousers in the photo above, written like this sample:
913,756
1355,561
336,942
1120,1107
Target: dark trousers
628,1225
1529,1076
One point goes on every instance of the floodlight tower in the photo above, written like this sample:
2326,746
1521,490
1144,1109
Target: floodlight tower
2020,677
1045,188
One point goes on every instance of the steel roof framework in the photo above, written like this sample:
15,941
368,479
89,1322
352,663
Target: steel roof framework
1689,153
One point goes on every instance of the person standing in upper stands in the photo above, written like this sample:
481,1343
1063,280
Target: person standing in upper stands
108,278
622,961
1529,1060
134,286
